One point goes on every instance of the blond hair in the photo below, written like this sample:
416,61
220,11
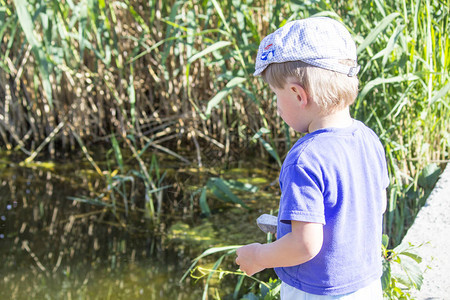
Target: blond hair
330,90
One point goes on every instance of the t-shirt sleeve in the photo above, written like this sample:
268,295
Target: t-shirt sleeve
301,196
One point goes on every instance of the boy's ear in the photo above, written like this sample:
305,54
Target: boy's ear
300,93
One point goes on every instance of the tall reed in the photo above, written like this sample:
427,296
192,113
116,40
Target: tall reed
176,76
404,96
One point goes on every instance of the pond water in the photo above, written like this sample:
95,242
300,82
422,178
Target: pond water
53,247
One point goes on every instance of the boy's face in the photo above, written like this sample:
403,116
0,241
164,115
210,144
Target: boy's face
292,106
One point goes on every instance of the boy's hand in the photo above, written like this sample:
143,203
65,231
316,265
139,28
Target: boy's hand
247,259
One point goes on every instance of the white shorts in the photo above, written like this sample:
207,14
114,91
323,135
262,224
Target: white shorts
371,292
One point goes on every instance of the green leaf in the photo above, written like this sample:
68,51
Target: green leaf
216,265
28,29
271,151
220,95
414,256
137,17
402,278
229,249
404,246
429,176
221,15
264,290
376,32
275,287
238,286
26,22
267,146
218,249
385,240
413,272
261,131
221,190
386,278
395,79
390,45
203,203
2,18
250,296
117,152
246,187
441,94
211,48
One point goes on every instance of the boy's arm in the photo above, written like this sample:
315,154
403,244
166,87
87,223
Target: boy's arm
296,247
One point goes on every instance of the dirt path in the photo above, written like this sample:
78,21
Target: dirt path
432,225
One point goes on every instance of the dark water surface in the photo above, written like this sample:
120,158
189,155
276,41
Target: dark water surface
53,247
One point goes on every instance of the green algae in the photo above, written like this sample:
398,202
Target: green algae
183,235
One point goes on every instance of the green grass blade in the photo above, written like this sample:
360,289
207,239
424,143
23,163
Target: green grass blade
209,49
267,146
210,251
28,29
221,190
377,81
203,202
390,46
117,153
441,94
220,95
221,15
376,32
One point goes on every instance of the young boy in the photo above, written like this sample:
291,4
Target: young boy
333,181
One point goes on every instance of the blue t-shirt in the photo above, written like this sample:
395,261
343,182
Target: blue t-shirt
336,177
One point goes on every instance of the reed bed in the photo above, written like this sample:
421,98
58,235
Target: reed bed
176,76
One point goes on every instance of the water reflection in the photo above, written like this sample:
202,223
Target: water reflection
55,248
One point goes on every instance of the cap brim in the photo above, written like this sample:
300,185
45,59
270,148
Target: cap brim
259,71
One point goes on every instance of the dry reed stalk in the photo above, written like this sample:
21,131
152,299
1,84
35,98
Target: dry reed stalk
34,257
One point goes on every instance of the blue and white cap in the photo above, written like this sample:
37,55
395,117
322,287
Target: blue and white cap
318,41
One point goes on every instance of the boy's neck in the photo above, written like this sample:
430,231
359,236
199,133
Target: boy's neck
338,119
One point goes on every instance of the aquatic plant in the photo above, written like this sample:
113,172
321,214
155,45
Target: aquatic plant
401,273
